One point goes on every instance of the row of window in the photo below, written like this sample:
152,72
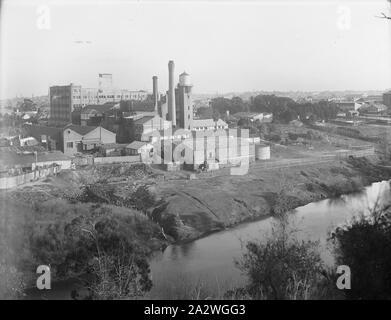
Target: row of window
110,97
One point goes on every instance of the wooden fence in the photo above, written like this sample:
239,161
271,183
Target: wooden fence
14,181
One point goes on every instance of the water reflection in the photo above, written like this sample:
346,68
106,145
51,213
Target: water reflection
212,258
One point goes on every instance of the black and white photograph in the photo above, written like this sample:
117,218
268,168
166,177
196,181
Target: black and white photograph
212,153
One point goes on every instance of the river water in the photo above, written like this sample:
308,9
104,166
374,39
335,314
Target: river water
209,262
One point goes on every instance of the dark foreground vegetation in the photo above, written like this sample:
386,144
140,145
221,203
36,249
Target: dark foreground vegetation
106,237
93,234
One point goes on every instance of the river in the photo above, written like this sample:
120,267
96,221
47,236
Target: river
209,262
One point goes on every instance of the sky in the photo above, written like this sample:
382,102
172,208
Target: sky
225,46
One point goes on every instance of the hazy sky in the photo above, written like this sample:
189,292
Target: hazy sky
224,45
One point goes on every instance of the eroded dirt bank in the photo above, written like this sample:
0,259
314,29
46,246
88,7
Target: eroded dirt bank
194,208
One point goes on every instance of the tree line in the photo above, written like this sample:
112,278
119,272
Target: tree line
284,109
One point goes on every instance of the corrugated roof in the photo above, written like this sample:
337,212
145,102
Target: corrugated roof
37,131
113,145
136,145
98,107
83,130
203,123
14,159
221,122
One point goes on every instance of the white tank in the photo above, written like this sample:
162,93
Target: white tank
184,79
262,152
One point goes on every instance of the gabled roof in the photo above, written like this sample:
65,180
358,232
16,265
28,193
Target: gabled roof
220,122
37,131
136,145
82,130
98,107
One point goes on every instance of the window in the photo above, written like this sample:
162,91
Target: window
69,144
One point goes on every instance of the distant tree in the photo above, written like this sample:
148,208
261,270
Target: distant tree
222,105
205,113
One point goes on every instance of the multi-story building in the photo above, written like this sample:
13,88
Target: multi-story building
96,112
65,99
387,98
62,103
149,124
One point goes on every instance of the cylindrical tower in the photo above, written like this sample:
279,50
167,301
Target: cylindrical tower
184,79
171,93
155,93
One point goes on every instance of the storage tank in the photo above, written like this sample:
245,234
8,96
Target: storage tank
184,79
262,152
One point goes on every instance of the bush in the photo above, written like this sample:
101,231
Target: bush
12,284
281,267
365,246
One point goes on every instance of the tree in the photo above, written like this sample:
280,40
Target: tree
365,246
142,199
12,283
119,270
282,267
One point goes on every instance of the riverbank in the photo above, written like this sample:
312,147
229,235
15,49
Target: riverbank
186,210
195,208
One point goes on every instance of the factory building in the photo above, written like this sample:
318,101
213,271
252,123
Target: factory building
85,138
68,98
62,103
149,124
178,106
387,98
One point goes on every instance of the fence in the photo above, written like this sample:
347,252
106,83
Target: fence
14,181
285,163
128,159
344,131
273,164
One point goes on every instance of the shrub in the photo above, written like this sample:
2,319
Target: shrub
365,246
281,267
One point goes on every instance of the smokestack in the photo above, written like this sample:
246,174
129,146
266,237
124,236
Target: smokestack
171,93
155,93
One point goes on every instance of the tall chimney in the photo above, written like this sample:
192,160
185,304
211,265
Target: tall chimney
155,93
171,93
